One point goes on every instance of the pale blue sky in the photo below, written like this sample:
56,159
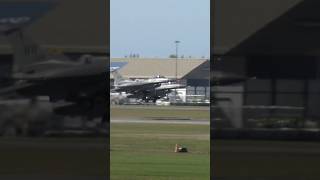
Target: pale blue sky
150,27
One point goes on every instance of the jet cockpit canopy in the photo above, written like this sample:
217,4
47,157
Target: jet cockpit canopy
158,76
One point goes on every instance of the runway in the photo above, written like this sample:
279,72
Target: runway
192,122
160,115
186,108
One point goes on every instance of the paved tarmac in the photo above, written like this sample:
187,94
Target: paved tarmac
193,122
205,108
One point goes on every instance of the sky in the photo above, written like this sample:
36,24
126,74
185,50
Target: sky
150,28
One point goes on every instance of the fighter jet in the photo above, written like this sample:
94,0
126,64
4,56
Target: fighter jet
165,89
35,72
156,93
147,90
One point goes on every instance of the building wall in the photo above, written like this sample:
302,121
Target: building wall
289,89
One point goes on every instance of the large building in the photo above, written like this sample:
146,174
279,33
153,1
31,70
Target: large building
275,44
194,73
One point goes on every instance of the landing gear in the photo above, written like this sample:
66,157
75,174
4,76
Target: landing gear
148,99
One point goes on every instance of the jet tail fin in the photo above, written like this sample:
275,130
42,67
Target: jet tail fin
114,67
25,50
14,17
117,77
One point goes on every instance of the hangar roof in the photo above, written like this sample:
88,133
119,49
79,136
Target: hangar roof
73,26
200,72
266,27
149,67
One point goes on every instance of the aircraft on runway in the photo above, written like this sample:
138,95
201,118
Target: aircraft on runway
82,83
147,90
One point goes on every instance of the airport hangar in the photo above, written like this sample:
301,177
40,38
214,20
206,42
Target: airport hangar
276,45
192,72
73,27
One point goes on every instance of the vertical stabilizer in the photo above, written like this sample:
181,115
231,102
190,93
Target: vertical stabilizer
25,51
117,77
14,17
114,68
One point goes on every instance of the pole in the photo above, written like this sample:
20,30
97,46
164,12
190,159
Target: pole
176,71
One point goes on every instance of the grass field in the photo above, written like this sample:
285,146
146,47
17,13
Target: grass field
150,112
259,160
47,157
146,151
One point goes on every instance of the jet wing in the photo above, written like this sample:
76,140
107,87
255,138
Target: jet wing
170,86
134,88
59,70
11,90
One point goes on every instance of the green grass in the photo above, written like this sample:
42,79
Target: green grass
51,156
146,151
246,159
145,112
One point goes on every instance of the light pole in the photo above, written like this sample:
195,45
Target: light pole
177,46
176,72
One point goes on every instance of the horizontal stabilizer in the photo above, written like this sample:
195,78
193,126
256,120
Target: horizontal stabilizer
15,15
14,88
116,65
